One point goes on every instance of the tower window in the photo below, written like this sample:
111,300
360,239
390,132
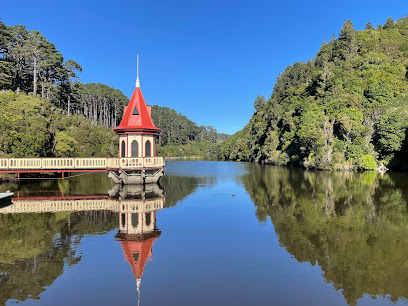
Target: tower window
135,148
123,220
135,220
123,149
148,148
148,219
135,112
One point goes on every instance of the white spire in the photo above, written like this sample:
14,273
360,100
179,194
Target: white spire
137,78
138,281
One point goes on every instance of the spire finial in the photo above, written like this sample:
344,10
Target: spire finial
138,281
137,78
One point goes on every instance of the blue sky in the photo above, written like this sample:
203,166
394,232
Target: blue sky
206,59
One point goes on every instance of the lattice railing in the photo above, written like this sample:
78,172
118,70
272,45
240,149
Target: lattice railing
122,206
84,163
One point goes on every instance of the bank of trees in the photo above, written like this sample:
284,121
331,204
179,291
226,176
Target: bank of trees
182,137
32,127
350,224
345,109
30,63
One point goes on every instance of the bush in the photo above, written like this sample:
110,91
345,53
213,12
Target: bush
367,162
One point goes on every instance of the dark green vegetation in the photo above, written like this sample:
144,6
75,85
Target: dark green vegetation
34,248
345,109
33,127
181,137
353,225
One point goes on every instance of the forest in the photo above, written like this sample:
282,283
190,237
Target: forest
350,224
181,137
346,109
30,63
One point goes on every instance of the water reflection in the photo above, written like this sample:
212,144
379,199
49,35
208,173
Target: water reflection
40,235
353,225
36,246
137,224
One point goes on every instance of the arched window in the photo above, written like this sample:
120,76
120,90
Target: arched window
148,148
135,149
123,220
123,149
135,220
148,219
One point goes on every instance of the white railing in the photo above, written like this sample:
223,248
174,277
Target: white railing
122,206
85,163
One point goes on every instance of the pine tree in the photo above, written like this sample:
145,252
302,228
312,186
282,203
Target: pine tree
72,67
369,26
389,24
347,43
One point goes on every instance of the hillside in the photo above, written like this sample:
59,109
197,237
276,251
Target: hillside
346,109
32,127
181,137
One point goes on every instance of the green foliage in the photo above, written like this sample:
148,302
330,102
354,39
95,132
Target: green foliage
343,110
367,162
202,149
369,26
30,127
34,248
181,137
353,225
30,63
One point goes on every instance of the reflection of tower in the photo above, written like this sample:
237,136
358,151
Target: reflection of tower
137,227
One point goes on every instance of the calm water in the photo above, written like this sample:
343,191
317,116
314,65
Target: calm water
219,233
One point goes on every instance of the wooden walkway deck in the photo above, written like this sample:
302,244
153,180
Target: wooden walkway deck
83,164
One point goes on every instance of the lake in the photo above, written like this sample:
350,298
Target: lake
212,233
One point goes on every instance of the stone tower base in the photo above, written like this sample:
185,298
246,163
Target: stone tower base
134,177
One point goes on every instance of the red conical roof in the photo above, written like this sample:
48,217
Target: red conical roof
137,253
139,119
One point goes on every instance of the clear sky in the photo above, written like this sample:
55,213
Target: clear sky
206,59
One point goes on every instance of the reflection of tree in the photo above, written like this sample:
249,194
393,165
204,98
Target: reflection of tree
34,248
78,184
353,225
176,188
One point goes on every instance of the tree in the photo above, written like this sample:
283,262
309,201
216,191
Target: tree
369,26
346,44
51,69
6,66
259,103
72,67
36,48
18,54
389,24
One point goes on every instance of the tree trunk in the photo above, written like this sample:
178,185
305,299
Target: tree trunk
69,98
35,75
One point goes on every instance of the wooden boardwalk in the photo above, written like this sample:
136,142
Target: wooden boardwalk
83,164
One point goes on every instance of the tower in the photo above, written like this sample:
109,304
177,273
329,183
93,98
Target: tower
137,143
